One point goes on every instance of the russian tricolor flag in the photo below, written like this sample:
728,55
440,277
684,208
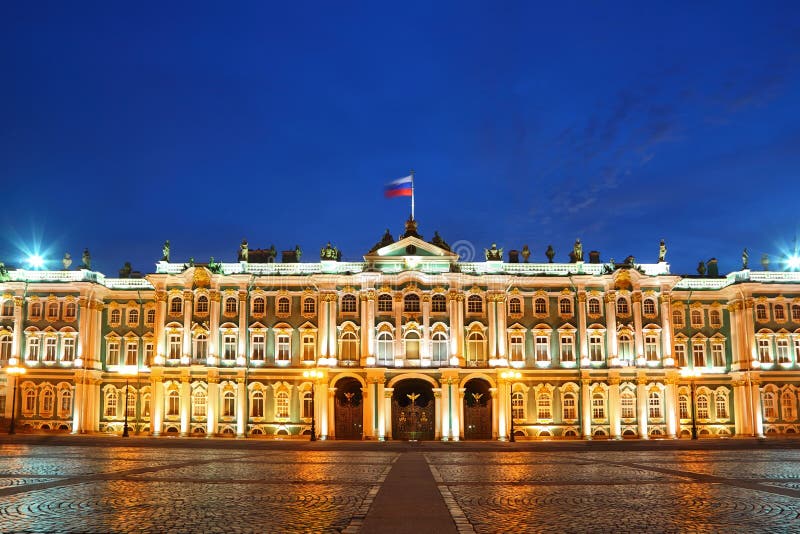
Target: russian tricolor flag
402,187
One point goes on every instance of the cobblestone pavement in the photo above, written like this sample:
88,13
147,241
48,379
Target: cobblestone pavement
300,487
642,491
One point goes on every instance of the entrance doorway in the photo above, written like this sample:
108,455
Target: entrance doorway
413,415
349,409
477,409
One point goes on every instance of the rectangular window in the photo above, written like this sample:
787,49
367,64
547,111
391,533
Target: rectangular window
113,354
68,353
50,349
543,407
628,408
517,348
763,351
149,350
5,347
542,349
651,348
131,353
680,355
598,407
309,349
228,347
282,348
567,349
174,348
699,354
683,407
654,405
782,346
596,348
569,408
258,346
718,354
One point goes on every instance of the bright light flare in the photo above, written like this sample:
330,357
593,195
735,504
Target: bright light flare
35,261
793,262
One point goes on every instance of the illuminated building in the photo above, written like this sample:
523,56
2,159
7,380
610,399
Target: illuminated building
410,343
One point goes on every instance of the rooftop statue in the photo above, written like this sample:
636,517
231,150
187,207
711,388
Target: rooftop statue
526,253
125,272
701,268
385,241
550,253
411,229
67,261
86,260
494,253
3,272
439,242
330,253
662,252
765,261
297,252
745,258
713,268
214,267
577,249
165,251
243,251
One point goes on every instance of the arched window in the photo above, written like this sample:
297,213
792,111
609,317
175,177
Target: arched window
228,404
515,306
349,304
411,303
702,406
52,311
770,410
257,404
115,317
131,404
787,406
622,306
594,306
761,312
715,318
173,403
385,303
29,401
231,306
543,409
111,403
780,312
307,405
438,304
199,403
697,318
36,310
8,308
540,306
649,306
47,402
282,404
133,317
65,403
518,405
598,406
283,306
625,349
569,406
796,313
385,347
5,348
654,405
565,307
721,405
309,306
348,347
201,305
439,347
412,345
627,405
150,317
474,304
259,306
476,348
176,305
683,407
677,318
146,406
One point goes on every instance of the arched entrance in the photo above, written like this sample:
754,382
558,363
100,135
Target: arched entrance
349,409
477,409
413,415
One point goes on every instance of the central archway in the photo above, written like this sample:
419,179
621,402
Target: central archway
349,409
413,410
477,409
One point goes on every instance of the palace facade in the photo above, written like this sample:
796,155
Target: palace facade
411,343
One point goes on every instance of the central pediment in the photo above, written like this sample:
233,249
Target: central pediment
411,247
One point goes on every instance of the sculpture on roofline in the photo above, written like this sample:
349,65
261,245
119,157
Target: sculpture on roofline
550,253
494,253
67,261
577,249
526,253
125,272
745,258
86,260
243,251
330,253
701,268
438,241
165,251
662,252
3,272
765,261
297,252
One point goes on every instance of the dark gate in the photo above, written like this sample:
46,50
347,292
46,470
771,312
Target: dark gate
477,410
349,409
413,411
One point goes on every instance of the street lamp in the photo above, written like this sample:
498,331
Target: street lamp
314,375
14,370
124,371
509,376
692,374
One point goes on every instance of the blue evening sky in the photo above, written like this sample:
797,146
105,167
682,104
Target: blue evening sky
123,124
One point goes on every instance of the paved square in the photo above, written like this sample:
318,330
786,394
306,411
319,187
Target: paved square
331,487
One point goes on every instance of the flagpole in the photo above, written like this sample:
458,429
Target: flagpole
412,194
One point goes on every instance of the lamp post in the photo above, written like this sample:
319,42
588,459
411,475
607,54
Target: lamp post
509,376
127,374
692,374
314,375
17,371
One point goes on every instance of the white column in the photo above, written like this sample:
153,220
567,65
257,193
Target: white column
363,322
499,426
241,407
16,349
213,334
437,413
380,405
156,405
398,327
370,326
641,402
321,408
332,324
755,408
666,328
323,326
670,407
212,411
636,299
83,328
460,406
501,326
584,345
187,323
77,402
331,413
614,407
161,316
611,324
586,409
492,325
460,330
367,413
445,418
186,404
243,331
426,330
387,411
